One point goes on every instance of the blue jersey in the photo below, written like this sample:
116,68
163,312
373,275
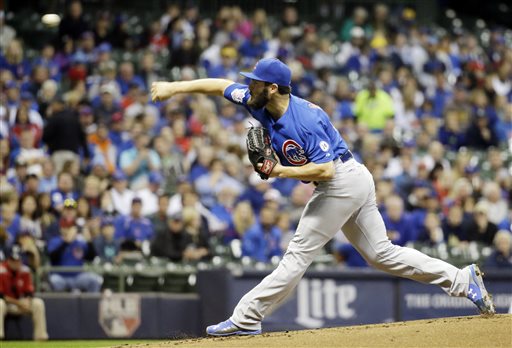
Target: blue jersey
303,134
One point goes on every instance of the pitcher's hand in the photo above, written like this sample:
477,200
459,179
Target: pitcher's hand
161,91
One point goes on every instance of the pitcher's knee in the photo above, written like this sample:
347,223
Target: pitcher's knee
381,255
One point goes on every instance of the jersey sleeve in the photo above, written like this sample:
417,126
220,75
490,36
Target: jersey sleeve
318,145
237,94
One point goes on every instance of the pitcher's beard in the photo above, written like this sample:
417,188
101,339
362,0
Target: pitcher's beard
259,101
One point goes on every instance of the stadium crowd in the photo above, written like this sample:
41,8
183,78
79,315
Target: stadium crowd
92,168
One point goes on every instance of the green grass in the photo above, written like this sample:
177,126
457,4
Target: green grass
71,343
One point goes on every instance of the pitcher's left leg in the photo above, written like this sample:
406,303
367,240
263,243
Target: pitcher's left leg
367,233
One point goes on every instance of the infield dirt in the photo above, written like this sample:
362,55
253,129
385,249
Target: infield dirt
472,331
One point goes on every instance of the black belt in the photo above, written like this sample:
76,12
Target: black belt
346,156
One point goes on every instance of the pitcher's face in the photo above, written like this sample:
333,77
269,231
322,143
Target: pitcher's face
260,94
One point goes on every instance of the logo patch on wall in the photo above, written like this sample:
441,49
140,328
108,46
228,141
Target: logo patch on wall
324,146
119,314
294,153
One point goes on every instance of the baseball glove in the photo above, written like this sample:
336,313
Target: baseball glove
260,151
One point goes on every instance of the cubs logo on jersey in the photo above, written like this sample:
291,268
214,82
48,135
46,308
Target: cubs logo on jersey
294,153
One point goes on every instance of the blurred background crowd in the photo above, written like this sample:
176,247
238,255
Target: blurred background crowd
93,171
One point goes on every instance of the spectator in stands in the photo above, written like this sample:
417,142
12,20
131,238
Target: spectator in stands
5,158
373,108
254,47
17,294
243,219
199,248
103,146
290,21
134,227
67,218
256,191
481,229
48,179
432,233
480,134
91,193
73,25
159,218
12,96
214,181
23,123
223,209
398,223
172,241
149,194
359,18
496,171
71,249
187,54
127,77
14,60
105,246
149,70
138,161
200,166
498,206
451,133
68,147
32,184
141,106
501,257
108,103
84,218
455,225
47,215
262,241
86,119
227,67
10,220
65,190
28,216
28,244
20,175
29,152
121,196
102,33
7,33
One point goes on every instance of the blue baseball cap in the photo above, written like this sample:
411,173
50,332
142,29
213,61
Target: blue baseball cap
270,70
155,177
26,95
107,220
11,84
119,175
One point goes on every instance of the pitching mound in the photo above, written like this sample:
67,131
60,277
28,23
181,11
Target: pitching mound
474,331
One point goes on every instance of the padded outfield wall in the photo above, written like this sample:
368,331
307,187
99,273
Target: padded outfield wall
322,299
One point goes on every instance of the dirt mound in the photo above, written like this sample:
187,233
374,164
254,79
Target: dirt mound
473,331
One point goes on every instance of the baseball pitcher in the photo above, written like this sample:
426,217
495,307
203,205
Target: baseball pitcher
306,146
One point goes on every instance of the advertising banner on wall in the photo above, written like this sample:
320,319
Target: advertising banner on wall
420,301
328,302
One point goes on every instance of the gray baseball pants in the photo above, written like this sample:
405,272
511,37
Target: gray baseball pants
346,202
